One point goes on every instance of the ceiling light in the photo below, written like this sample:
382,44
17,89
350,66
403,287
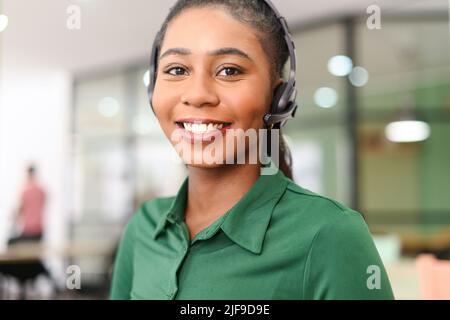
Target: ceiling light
359,77
326,97
340,65
407,131
3,22
108,107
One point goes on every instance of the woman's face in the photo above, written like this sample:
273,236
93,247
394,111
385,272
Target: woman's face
213,73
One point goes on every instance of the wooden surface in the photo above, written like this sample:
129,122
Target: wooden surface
34,251
418,239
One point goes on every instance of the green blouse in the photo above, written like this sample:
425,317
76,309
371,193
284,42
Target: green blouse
280,241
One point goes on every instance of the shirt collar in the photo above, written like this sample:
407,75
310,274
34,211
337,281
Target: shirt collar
176,210
247,222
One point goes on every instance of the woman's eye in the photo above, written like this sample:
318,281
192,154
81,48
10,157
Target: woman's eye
176,71
230,71
226,72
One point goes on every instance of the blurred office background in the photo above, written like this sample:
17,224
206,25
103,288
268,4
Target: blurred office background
74,103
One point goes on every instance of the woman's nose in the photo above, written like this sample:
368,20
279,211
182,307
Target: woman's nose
200,93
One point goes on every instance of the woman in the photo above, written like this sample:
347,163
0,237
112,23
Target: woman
231,232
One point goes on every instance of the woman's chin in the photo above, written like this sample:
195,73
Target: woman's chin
205,165
205,161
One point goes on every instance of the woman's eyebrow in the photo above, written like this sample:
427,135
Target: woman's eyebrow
216,52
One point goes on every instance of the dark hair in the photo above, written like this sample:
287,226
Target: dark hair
31,170
258,15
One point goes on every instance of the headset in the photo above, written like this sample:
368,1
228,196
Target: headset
283,106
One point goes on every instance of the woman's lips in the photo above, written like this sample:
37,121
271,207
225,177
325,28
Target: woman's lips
207,136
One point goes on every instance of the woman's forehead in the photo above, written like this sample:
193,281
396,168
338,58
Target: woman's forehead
204,29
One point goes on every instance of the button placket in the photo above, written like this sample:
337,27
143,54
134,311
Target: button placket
172,292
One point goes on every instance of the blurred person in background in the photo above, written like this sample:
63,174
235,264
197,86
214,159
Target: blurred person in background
29,216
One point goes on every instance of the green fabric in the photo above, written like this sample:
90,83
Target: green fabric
280,241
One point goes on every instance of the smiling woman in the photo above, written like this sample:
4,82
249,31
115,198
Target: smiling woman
232,232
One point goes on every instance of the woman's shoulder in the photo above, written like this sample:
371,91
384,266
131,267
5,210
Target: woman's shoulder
149,213
301,195
317,212
340,247
156,206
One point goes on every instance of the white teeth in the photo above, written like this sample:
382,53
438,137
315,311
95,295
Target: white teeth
202,128
196,128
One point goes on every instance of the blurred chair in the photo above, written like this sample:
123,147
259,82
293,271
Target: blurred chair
434,277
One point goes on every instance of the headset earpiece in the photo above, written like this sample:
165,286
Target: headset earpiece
278,93
283,107
153,67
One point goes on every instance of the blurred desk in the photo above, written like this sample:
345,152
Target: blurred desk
32,251
29,252
24,261
415,239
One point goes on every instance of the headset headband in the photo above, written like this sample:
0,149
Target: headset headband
290,44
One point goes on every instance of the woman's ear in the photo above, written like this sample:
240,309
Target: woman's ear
276,84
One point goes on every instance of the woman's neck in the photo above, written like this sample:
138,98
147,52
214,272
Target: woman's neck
212,192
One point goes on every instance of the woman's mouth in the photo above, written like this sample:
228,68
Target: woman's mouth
203,130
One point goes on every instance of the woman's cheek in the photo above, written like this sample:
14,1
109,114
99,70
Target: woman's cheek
162,106
249,109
